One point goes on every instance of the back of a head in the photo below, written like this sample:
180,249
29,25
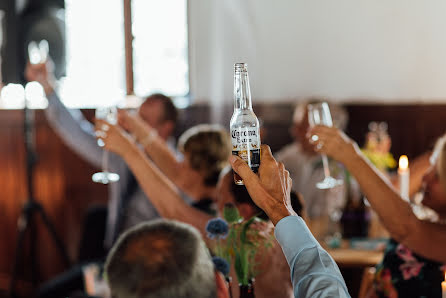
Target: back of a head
161,258
208,147
170,111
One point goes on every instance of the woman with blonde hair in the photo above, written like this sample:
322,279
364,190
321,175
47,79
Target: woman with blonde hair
413,264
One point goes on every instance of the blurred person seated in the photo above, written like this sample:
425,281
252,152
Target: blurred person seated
163,258
127,204
164,187
306,169
313,271
414,260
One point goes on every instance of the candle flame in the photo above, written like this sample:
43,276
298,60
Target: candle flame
445,276
403,162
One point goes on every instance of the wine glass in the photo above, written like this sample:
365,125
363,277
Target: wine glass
319,114
109,114
38,52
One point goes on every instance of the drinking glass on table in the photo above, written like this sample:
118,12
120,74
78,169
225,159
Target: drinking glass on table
319,114
110,115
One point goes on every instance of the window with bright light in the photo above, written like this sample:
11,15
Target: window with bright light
95,53
160,61
96,56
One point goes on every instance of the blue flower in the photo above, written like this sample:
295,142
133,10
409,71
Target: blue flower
221,265
217,228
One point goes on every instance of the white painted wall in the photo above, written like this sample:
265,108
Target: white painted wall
346,50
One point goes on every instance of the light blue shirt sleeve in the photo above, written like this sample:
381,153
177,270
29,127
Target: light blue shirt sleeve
313,272
75,131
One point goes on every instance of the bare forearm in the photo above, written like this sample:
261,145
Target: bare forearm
395,214
161,191
164,158
154,145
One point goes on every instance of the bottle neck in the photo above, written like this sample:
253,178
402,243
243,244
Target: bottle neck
242,93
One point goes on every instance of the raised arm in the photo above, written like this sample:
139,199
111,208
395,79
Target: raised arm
70,125
158,151
395,213
313,271
162,192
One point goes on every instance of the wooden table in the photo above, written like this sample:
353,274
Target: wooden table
347,257
354,265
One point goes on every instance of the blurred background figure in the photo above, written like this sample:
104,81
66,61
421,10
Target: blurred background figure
413,263
306,169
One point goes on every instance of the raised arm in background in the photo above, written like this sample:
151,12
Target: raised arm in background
70,125
425,238
159,153
162,192
313,271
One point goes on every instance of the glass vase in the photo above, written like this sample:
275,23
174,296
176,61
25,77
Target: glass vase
247,291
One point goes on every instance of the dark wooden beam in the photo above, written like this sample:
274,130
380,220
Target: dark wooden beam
128,37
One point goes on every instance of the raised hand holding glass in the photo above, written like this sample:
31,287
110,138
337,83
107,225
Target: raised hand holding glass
319,114
110,115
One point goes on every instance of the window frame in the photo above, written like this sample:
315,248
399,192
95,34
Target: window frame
128,46
182,101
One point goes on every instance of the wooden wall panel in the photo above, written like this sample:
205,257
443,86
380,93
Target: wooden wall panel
413,128
62,184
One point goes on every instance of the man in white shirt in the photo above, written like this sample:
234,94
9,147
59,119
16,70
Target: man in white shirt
306,169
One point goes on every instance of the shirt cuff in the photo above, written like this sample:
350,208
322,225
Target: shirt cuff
293,236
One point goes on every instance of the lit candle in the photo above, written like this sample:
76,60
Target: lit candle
443,287
404,174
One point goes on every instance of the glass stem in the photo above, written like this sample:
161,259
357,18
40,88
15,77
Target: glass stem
325,163
105,161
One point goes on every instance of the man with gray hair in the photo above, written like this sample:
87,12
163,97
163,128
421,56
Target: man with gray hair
163,258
